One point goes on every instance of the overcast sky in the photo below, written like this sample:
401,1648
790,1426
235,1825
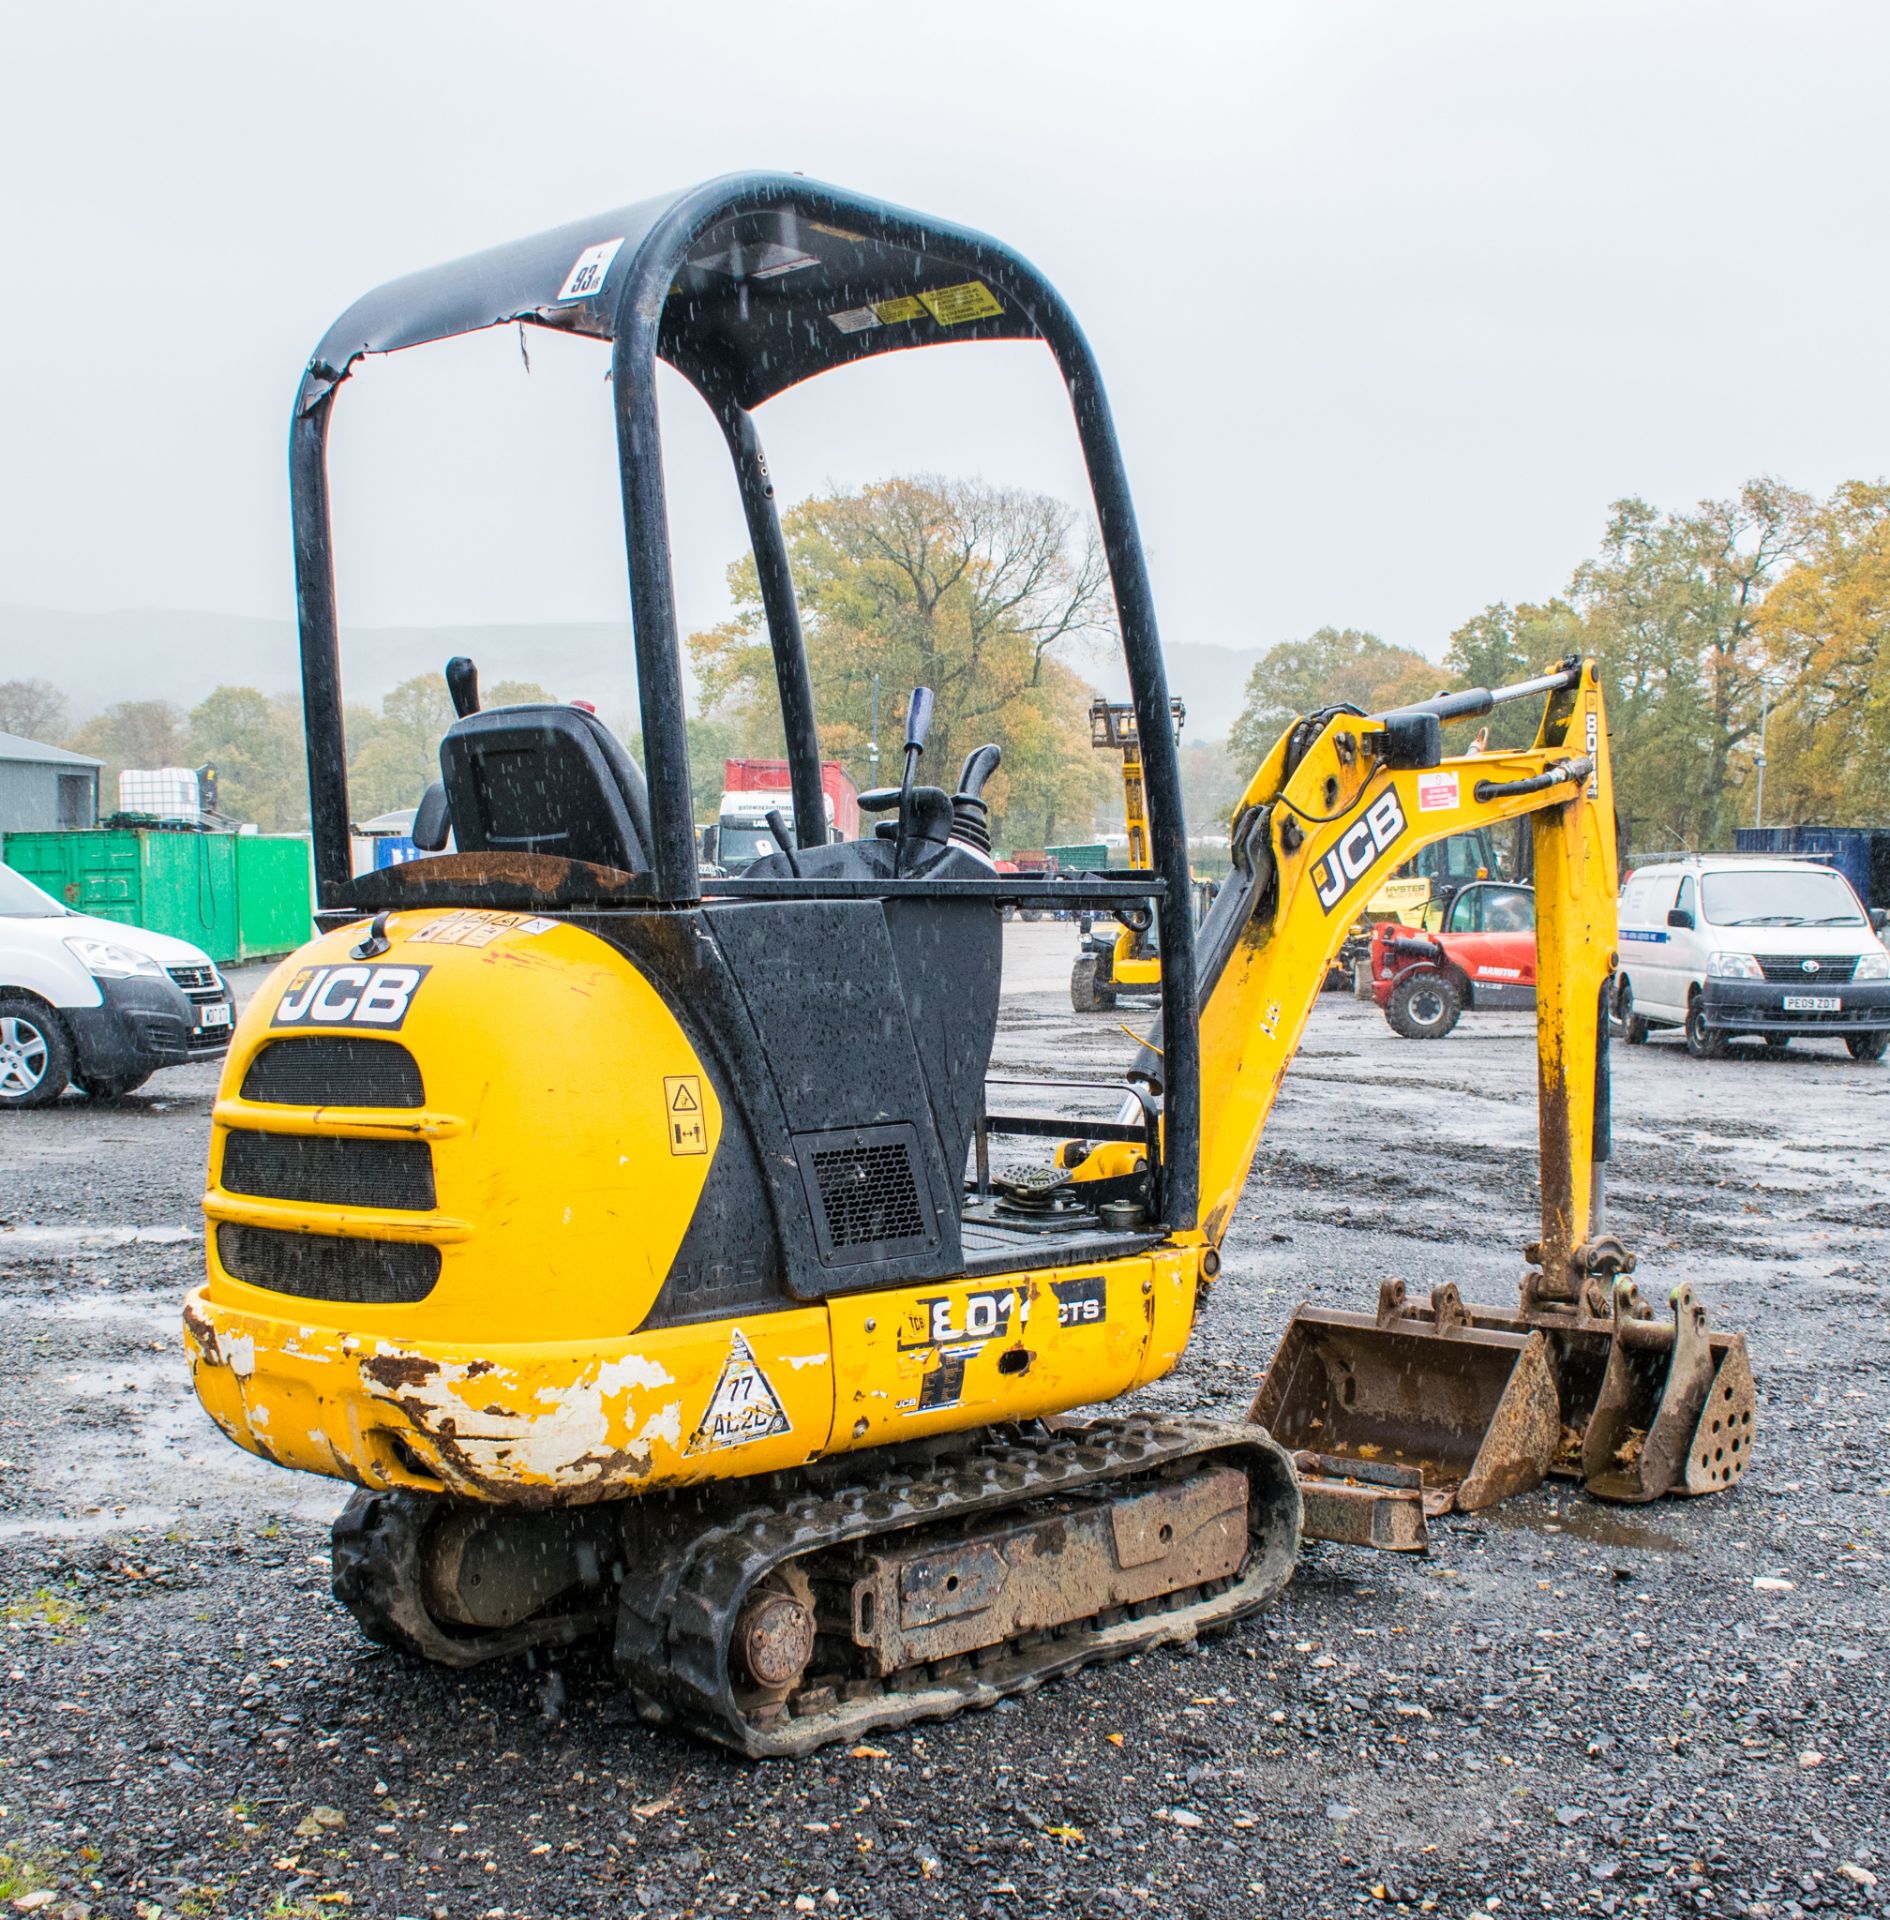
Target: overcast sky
1392,299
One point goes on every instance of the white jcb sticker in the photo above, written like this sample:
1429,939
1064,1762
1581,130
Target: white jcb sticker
855,319
587,275
348,997
1438,793
743,1408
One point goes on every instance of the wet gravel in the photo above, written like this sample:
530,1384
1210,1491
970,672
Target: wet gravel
1561,1709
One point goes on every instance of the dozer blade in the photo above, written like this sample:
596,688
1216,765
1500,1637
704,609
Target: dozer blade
1472,1410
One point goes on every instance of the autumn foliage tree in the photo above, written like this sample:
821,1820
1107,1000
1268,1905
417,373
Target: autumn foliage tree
1334,666
1825,639
984,594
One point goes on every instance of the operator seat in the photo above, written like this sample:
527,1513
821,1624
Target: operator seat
545,779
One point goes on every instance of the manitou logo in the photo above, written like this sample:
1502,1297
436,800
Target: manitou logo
1358,847
348,997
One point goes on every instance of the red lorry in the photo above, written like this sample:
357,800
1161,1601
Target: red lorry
751,788
1484,955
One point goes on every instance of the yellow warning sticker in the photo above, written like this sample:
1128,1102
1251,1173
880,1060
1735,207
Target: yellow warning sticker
952,306
891,312
682,1095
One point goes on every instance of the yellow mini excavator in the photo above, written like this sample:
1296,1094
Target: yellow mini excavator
612,1227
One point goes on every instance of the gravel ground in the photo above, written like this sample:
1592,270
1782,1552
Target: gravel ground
1562,1709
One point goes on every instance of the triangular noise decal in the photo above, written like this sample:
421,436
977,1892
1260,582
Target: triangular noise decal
743,1408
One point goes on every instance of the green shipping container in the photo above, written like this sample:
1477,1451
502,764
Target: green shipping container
274,893
190,885
1089,857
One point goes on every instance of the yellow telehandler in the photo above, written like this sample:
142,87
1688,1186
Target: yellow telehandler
609,1224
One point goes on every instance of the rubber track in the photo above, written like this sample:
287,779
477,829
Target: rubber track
375,1556
677,1617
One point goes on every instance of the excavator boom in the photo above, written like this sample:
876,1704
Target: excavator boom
1411,1408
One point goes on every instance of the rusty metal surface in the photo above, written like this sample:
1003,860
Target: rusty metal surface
1659,1375
1695,1459
774,1639
936,1599
1473,1410
679,1603
1362,1504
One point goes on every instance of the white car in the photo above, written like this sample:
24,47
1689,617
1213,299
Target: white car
1727,946
97,1005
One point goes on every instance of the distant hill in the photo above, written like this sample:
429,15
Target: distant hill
97,659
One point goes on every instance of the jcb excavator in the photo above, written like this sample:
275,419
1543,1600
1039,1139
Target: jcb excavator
610,1226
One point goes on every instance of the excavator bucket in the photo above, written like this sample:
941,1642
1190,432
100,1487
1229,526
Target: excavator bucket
1421,1409
1468,1414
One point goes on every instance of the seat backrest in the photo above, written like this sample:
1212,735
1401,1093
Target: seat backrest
545,779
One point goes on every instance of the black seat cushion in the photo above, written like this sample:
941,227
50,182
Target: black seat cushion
545,779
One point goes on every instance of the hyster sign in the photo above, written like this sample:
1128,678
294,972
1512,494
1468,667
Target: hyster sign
1358,848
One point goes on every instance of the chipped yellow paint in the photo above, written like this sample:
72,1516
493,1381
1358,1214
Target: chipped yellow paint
558,1423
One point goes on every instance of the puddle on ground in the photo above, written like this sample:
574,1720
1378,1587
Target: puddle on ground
1597,1525
54,1239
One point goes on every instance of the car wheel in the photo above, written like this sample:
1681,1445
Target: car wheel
1867,1046
1703,1042
1086,995
1424,1005
35,1055
1627,1023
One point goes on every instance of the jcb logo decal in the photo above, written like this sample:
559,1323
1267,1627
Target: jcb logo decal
1374,833
348,997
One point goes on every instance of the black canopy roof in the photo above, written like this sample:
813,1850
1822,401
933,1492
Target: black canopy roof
758,281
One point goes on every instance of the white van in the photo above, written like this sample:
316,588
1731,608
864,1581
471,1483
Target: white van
96,1005
1727,946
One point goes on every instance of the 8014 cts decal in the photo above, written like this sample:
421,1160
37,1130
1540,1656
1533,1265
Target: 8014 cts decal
348,997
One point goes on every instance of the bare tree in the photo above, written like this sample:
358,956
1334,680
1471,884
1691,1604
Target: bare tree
34,709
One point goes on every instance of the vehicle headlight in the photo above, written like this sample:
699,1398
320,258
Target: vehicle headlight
107,962
1734,966
1872,966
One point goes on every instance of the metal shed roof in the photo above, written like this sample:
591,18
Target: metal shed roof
39,753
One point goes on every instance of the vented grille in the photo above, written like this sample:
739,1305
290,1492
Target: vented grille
331,1172
1831,969
334,1071
866,1193
322,1266
194,979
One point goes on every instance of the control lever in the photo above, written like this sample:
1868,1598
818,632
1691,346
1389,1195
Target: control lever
462,682
971,818
918,725
778,826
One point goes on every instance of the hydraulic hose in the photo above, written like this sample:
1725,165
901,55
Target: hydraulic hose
1574,771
